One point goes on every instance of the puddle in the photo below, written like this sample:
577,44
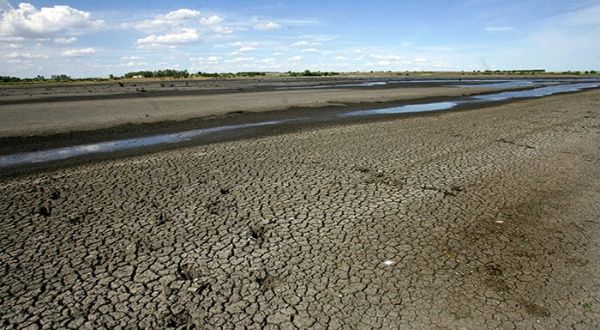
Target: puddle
362,84
374,83
134,143
119,145
536,92
410,108
500,84
461,83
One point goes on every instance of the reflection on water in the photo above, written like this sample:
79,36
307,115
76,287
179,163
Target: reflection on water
361,84
410,108
536,92
501,84
461,83
118,145
134,143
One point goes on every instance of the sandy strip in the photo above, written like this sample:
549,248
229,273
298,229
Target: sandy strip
476,219
60,117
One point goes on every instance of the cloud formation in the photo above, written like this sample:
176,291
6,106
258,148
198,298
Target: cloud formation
27,21
265,26
182,14
77,52
21,56
182,36
305,43
64,41
167,21
47,37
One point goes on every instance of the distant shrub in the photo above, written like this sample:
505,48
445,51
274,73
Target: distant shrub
208,75
60,77
168,73
308,73
250,74
6,79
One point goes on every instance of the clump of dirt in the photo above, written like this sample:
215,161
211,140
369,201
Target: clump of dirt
266,281
257,233
45,211
535,309
188,272
182,320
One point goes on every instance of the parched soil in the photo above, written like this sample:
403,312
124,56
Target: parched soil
478,219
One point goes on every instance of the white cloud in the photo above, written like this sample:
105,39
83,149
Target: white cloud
206,60
167,21
150,25
412,61
386,57
244,44
566,41
211,20
304,43
310,50
64,40
340,58
20,56
246,48
76,52
267,60
183,36
29,22
223,29
178,19
182,14
12,39
130,64
132,58
498,28
264,26
295,58
588,16
239,59
17,61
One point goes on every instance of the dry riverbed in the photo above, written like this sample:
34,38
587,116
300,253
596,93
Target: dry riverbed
52,117
476,219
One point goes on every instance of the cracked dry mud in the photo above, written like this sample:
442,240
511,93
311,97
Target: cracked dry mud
477,219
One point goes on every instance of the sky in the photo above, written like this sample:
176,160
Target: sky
98,38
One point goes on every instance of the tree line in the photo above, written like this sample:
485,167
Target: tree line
178,74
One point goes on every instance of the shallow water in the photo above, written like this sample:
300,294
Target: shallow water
409,108
361,84
464,83
135,143
118,145
501,84
536,92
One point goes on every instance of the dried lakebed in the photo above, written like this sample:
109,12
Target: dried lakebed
42,156
471,219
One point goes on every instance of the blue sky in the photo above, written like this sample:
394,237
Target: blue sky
97,38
